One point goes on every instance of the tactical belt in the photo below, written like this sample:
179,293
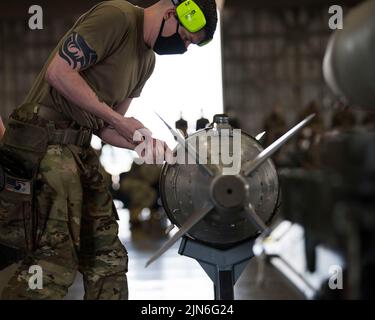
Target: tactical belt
79,137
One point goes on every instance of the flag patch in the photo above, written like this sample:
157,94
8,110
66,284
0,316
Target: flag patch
19,186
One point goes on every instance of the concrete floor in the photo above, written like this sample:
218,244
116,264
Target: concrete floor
177,277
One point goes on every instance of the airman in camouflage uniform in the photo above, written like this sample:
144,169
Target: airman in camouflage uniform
85,87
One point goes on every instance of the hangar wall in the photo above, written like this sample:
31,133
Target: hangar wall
272,56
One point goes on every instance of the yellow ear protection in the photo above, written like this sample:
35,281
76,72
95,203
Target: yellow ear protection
190,15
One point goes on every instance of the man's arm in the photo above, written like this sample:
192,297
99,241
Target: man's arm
109,135
123,107
74,56
63,74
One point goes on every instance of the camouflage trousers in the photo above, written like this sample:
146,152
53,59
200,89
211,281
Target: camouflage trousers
76,231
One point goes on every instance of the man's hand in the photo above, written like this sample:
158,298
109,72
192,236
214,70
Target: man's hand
154,151
132,130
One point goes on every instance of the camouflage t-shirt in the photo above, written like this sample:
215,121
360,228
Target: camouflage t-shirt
114,30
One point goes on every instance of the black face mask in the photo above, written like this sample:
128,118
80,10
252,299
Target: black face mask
169,45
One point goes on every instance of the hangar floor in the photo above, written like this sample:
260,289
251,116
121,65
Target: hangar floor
174,277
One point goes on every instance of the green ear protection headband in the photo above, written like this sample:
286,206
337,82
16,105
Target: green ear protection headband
190,16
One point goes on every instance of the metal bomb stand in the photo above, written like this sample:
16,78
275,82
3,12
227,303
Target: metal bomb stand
223,266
